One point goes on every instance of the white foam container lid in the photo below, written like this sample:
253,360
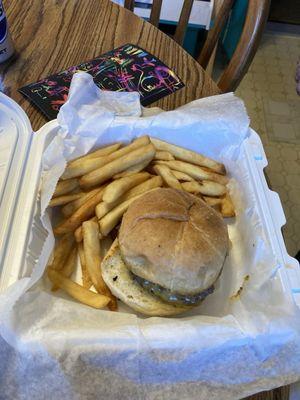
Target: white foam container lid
21,232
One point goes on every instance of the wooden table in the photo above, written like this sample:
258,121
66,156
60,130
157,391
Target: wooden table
52,35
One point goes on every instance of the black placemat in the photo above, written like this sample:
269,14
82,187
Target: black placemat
127,68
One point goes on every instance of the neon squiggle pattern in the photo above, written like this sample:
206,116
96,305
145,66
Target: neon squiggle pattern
127,68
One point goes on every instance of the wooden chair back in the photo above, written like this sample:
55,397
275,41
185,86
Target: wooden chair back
256,18
155,15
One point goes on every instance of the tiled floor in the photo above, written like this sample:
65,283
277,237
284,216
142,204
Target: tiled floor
268,90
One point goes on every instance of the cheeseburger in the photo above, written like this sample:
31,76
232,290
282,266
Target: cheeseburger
168,255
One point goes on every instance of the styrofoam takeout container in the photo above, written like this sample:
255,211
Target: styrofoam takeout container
22,234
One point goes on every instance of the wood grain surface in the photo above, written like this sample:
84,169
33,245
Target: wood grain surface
51,35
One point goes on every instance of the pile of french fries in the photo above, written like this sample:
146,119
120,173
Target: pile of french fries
95,191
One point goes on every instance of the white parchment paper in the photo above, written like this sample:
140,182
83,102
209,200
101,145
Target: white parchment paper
227,348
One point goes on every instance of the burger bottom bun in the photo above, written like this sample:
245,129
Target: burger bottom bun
119,279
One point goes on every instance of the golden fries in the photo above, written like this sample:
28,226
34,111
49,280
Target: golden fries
214,202
62,250
93,258
152,183
103,151
206,187
79,167
227,208
118,187
194,171
103,208
61,200
181,176
78,292
86,280
71,207
222,204
65,187
69,266
83,213
100,175
110,220
188,155
167,176
132,170
164,155
78,231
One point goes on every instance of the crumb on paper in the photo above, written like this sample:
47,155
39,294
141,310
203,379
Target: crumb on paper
290,266
239,291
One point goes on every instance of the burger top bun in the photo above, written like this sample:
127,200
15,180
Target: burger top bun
174,239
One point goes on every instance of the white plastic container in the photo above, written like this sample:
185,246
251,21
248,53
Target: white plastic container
21,234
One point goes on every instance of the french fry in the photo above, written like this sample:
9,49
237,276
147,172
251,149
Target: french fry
227,207
61,200
64,187
167,176
164,155
194,171
86,280
103,208
123,174
83,213
152,183
76,291
207,188
62,250
181,176
93,257
78,234
103,151
188,155
70,208
81,167
132,170
214,202
69,266
111,219
118,187
100,175
78,231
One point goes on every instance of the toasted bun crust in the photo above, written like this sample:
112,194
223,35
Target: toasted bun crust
118,278
173,238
